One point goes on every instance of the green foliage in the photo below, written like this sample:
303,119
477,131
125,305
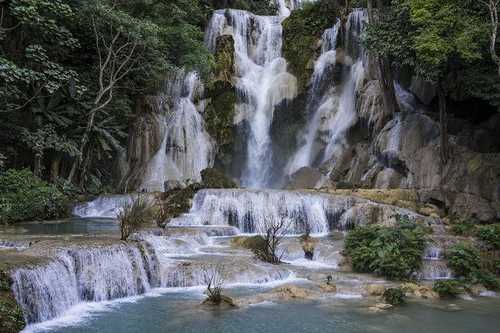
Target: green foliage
393,252
487,279
490,235
430,35
394,296
448,288
462,227
25,197
463,259
135,215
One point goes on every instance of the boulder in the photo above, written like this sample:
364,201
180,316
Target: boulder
375,289
304,178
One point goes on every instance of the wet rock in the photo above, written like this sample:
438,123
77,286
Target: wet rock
304,178
289,291
224,302
420,291
380,307
328,287
477,290
171,185
375,289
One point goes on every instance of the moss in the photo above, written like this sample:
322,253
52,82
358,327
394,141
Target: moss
213,178
219,113
301,33
11,316
177,202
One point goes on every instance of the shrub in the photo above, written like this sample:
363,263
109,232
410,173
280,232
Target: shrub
463,259
393,252
448,288
134,216
487,279
462,227
490,235
26,197
394,296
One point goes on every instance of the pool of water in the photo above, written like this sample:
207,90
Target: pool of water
71,226
181,312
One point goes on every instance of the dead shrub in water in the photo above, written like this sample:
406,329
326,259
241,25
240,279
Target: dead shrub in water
135,215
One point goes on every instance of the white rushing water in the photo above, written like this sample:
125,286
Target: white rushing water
332,108
254,211
186,147
101,273
105,206
262,81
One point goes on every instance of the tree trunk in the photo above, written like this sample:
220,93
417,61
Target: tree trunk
37,167
38,159
443,123
83,143
55,167
384,71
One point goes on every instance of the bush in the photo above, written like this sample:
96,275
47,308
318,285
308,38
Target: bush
134,216
394,296
463,259
448,288
393,252
462,227
487,279
25,197
490,235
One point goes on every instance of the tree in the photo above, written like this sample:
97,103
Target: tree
214,277
384,70
275,231
492,6
432,37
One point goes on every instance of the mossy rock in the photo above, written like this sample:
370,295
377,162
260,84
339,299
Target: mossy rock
178,201
301,35
213,178
254,243
219,114
11,316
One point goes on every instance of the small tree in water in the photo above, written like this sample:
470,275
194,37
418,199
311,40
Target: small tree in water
275,231
135,215
214,277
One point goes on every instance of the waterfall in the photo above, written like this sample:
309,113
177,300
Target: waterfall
333,108
107,272
107,206
75,276
253,211
186,148
262,82
317,104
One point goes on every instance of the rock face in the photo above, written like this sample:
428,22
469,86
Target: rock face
144,140
403,151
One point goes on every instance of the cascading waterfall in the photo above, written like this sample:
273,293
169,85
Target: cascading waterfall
317,104
107,206
262,81
186,148
333,110
254,211
104,273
